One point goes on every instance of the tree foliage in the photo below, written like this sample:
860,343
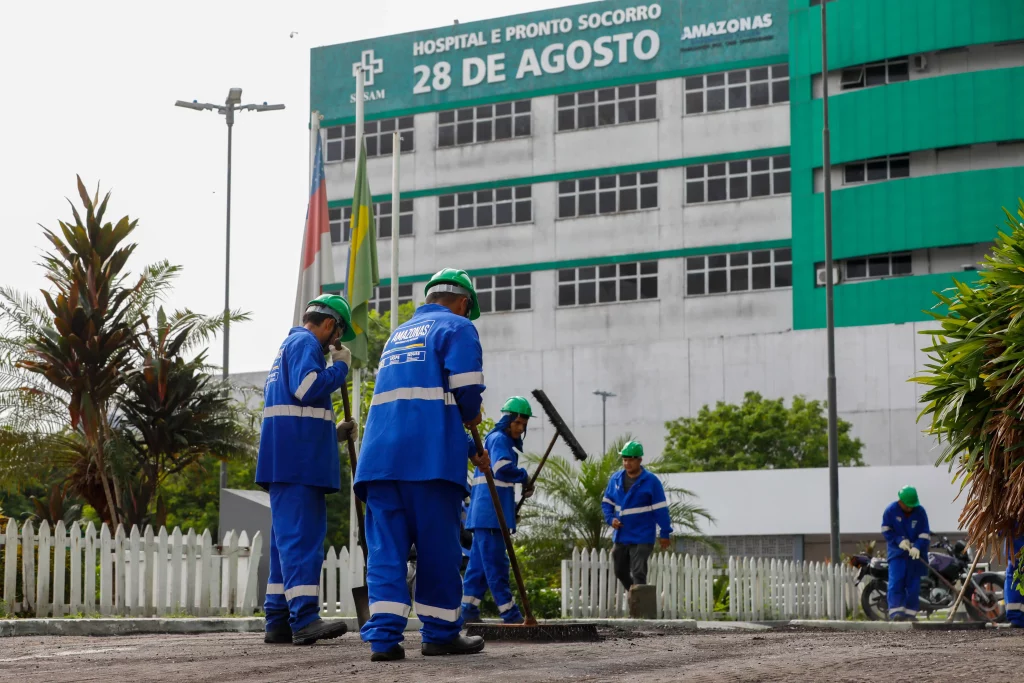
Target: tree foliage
758,434
975,395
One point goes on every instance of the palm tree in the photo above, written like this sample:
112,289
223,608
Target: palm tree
571,506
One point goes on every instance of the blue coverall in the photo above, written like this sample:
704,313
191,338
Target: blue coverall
1012,595
298,464
412,473
488,559
904,573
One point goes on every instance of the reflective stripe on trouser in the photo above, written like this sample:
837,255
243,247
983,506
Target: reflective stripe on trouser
298,516
398,515
488,568
1014,599
904,586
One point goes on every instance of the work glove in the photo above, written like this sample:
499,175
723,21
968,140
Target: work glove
342,355
915,553
345,429
905,545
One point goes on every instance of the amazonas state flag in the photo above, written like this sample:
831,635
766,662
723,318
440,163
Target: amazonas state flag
317,266
362,260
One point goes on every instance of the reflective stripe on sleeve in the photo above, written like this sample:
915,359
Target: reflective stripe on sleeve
658,506
275,589
503,465
307,382
477,481
470,600
608,500
385,607
413,394
506,607
886,528
437,612
927,537
465,379
302,592
299,411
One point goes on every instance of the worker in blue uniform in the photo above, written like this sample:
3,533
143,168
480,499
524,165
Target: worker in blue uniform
412,470
1012,594
488,560
907,535
298,465
634,504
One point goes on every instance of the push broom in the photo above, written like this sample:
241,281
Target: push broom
529,630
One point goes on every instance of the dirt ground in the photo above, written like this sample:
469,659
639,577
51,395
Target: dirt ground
650,657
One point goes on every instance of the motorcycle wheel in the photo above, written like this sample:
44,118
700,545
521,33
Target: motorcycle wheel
996,613
874,600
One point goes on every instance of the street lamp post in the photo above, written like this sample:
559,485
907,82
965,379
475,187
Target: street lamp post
605,395
232,104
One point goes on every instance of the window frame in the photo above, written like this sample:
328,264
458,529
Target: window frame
377,299
342,218
454,204
855,77
592,100
777,74
487,289
779,174
863,166
339,137
866,262
641,181
639,278
776,264
475,119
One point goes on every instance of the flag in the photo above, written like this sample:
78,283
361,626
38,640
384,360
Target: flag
362,260
317,266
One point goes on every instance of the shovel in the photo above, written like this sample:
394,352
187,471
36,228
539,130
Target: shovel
360,594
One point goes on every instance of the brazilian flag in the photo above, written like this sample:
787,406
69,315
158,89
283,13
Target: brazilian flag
362,260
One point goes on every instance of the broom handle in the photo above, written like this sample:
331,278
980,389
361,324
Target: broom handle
536,473
352,465
968,580
530,621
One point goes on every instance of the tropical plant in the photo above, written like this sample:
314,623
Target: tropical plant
758,434
570,505
975,394
56,508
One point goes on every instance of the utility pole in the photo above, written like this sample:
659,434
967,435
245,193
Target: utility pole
605,395
232,104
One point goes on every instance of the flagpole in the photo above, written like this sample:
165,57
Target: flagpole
357,375
396,212
314,131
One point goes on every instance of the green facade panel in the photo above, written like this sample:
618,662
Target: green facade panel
962,109
861,31
877,302
916,213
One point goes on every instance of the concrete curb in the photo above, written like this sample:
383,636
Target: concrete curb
736,626
626,623
837,625
150,625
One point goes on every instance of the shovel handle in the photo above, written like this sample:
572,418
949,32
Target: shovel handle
536,472
346,403
529,621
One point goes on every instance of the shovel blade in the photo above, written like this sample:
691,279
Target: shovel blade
361,598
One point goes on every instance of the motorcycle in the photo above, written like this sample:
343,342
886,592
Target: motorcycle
940,587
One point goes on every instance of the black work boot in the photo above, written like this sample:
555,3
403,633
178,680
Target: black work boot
460,645
278,636
392,654
318,630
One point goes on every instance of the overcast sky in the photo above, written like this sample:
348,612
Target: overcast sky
88,87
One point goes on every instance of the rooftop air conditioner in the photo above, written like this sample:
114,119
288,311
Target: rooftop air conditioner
919,62
819,276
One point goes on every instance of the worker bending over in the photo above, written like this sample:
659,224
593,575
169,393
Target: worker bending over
907,535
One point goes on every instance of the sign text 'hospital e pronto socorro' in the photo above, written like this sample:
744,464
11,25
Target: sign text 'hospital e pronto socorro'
571,48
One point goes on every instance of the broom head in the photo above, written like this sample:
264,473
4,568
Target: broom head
559,424
535,633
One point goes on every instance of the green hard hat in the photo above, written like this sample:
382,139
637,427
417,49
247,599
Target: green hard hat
335,306
908,496
517,405
633,449
457,282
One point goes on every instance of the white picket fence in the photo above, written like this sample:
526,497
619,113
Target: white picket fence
139,574
759,589
341,572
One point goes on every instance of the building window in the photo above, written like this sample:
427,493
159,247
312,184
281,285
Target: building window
341,140
878,266
739,89
608,194
503,292
740,271
485,208
341,221
483,124
734,180
608,284
381,300
877,169
608,106
876,73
